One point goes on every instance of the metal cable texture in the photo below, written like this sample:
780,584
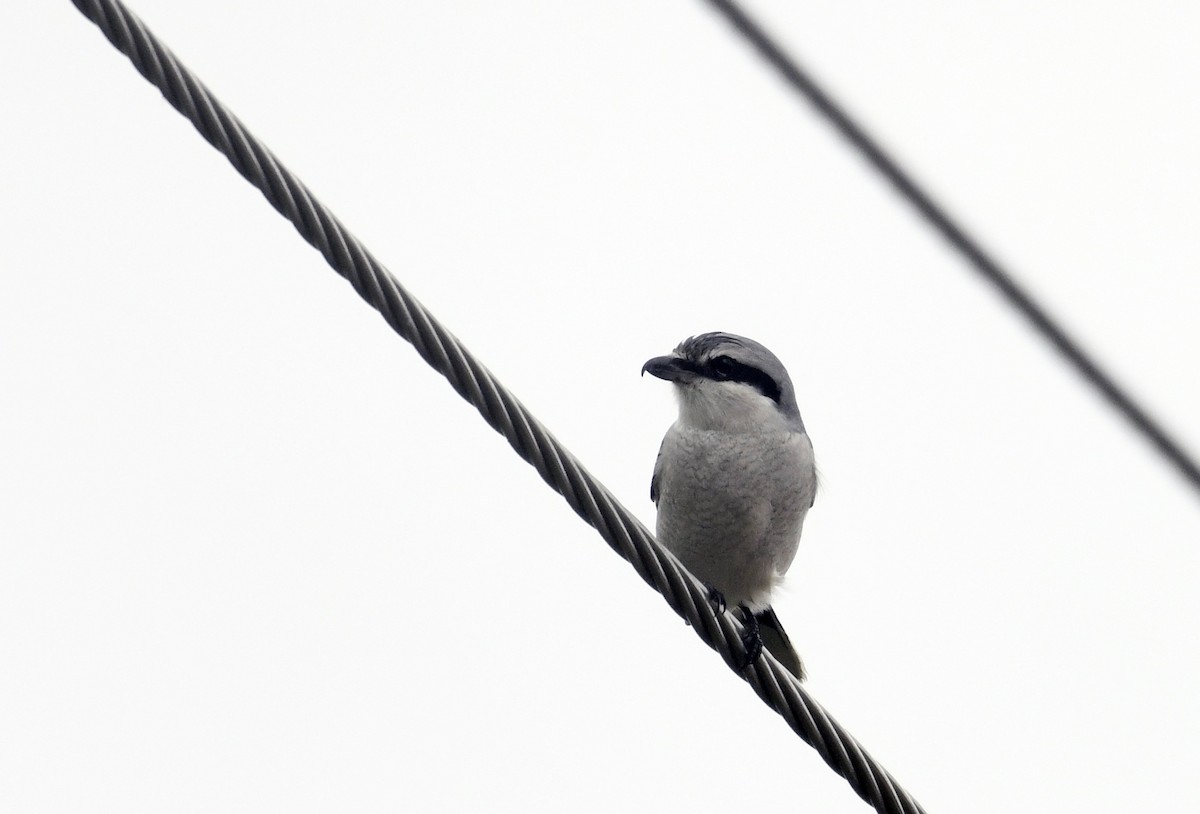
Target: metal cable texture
1039,319
590,500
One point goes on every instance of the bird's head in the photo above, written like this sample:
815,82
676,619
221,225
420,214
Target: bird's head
729,383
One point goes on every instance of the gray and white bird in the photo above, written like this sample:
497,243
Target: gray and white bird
734,477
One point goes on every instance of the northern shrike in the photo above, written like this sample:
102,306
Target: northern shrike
734,477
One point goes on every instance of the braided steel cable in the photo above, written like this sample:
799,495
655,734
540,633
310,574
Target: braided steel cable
590,500
1020,299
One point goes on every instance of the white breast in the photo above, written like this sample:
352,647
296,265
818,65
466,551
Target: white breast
732,504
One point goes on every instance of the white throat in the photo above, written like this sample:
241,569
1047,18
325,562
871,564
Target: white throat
728,407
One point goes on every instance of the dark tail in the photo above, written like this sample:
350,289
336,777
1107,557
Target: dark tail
778,642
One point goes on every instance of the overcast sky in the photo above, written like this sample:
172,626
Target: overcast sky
256,556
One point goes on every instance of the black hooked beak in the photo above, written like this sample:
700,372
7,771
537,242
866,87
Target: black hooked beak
670,368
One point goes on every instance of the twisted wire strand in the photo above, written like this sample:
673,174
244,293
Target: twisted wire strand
533,442
1012,292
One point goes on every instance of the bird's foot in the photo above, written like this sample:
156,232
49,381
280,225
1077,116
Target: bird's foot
717,599
751,637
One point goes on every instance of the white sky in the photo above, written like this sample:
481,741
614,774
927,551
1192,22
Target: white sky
255,556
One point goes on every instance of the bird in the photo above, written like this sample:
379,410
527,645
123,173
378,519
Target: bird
734,479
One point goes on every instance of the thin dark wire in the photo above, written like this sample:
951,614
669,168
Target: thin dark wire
558,467
1017,297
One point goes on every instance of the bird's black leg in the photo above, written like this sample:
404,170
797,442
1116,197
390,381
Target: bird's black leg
751,636
717,599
